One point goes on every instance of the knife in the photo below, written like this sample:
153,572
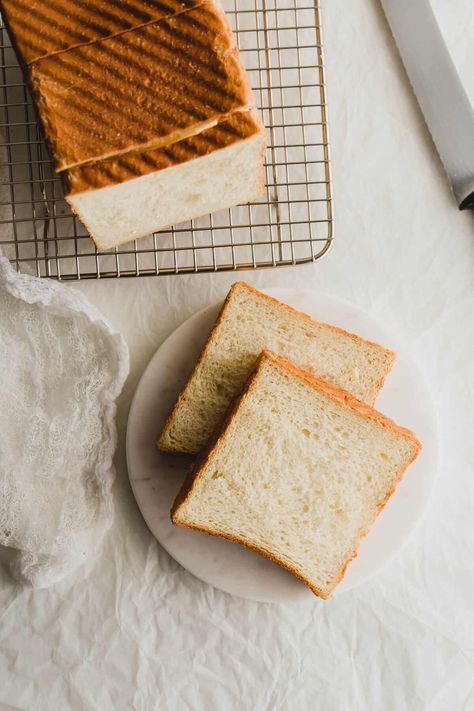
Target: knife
444,102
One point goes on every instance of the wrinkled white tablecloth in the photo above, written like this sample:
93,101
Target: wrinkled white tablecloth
132,630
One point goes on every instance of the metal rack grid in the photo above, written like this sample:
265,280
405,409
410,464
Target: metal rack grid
281,46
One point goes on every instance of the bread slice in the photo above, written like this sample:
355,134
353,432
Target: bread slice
145,88
133,195
50,26
248,323
299,473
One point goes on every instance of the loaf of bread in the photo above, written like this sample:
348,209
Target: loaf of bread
140,102
249,323
298,472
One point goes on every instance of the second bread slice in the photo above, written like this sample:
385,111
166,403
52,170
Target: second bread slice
249,323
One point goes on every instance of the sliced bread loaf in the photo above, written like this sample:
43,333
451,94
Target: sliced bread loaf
248,323
298,473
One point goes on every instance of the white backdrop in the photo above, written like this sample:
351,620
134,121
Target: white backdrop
134,631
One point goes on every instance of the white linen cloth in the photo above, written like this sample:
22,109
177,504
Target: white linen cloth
61,369
132,630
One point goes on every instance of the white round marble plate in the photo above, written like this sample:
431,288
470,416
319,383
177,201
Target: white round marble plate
156,478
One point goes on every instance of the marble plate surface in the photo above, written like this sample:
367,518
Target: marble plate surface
156,478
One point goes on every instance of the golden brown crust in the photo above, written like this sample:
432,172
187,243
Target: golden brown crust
338,395
146,88
389,355
47,27
93,176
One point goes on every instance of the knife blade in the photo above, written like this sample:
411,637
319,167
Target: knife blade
444,102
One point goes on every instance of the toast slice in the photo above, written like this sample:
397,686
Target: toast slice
298,473
248,323
145,88
133,195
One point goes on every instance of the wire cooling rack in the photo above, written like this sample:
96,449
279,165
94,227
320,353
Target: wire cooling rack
281,47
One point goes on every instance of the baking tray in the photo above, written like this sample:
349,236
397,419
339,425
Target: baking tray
281,46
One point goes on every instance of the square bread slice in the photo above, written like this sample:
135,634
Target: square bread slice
145,88
298,473
40,29
249,323
135,194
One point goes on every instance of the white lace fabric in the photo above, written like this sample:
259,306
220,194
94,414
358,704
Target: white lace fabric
61,369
